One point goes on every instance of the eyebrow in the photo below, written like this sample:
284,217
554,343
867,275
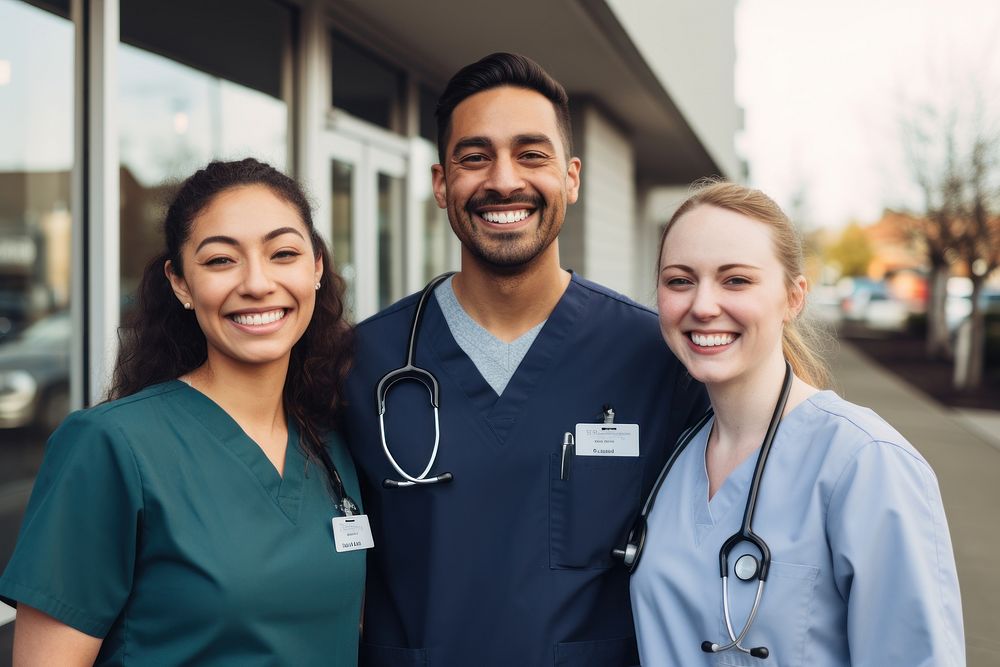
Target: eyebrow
527,139
486,142
722,269
229,240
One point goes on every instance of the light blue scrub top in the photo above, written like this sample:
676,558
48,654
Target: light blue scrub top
862,569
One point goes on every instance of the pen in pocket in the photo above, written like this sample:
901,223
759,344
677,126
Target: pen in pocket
568,450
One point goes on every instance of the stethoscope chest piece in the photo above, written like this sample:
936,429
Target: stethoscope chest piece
746,568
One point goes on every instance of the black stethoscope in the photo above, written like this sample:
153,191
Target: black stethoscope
747,566
412,372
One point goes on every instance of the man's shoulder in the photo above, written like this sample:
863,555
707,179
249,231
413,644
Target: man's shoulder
390,314
626,304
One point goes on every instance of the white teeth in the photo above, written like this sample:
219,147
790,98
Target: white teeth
257,319
505,217
712,340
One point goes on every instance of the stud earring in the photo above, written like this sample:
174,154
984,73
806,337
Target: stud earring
187,305
317,285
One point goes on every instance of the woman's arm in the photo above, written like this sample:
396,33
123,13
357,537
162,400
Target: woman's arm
893,562
41,640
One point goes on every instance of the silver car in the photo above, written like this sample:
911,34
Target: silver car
34,374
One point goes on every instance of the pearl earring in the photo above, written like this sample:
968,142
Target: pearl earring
187,305
317,284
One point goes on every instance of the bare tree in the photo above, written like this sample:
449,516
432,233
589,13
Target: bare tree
977,236
954,159
933,229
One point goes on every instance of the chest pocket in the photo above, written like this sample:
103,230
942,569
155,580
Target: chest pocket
590,512
783,616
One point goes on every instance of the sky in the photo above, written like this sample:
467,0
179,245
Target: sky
824,86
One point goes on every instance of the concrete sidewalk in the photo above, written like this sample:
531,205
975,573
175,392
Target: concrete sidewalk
967,463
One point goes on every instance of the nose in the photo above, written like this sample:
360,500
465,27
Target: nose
504,176
257,281
706,303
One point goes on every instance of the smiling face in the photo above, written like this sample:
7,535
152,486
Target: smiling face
724,297
249,271
506,181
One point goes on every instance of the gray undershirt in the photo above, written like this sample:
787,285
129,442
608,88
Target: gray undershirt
495,359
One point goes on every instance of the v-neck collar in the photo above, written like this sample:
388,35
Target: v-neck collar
732,495
285,490
501,412
729,497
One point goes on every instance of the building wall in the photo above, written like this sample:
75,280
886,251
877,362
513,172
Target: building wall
608,194
691,46
656,205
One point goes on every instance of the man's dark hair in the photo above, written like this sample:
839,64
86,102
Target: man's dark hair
494,71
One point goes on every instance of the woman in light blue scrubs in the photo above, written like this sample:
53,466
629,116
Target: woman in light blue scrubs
862,570
189,519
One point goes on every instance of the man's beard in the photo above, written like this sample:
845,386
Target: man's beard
507,251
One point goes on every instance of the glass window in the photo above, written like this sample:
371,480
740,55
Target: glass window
36,160
343,226
364,86
244,41
192,89
438,240
390,239
440,245
428,105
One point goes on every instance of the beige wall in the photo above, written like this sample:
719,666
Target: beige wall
655,205
610,216
690,45
598,239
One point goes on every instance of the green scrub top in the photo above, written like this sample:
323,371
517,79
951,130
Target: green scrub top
158,524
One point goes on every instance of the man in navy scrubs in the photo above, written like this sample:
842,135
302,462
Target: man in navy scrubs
508,561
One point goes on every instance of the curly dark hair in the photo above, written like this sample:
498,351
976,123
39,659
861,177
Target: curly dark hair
161,341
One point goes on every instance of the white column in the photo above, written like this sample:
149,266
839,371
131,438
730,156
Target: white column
312,105
96,296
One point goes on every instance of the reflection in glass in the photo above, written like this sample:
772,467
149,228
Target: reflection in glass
174,119
427,100
36,159
439,243
390,239
365,86
437,240
342,205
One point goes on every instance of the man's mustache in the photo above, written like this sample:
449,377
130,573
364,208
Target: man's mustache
475,203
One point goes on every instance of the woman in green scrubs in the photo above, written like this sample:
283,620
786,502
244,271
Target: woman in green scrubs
190,519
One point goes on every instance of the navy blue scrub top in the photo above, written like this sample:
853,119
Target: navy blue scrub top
508,564
159,525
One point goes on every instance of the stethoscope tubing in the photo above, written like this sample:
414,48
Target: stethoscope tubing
410,371
422,477
632,552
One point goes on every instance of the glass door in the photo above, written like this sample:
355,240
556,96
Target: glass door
364,208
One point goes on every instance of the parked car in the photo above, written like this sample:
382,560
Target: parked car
886,313
959,308
34,374
855,295
870,302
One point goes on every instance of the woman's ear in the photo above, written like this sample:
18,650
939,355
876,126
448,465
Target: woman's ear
797,298
178,285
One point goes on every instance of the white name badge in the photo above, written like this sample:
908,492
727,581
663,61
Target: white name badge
607,440
351,533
